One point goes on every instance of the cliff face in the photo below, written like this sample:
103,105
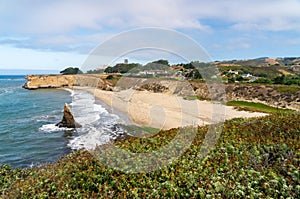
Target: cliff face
49,81
60,81
267,94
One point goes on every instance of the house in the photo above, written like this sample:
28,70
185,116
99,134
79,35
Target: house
233,72
248,75
154,72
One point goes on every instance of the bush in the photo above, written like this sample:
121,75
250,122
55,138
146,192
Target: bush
263,81
71,71
253,158
110,77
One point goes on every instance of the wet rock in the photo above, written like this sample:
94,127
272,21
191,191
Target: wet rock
68,120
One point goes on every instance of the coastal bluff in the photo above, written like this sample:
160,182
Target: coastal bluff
273,95
67,81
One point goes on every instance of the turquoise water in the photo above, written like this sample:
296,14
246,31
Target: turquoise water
23,112
28,135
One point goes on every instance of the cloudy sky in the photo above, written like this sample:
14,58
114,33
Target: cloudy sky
50,35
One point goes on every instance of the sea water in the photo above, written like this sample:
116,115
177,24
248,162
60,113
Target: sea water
28,135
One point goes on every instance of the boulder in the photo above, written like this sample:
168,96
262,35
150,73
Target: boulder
68,120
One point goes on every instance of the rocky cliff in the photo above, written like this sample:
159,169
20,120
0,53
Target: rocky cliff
61,81
271,95
68,120
49,81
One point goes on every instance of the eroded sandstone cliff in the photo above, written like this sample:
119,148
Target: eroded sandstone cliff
61,81
267,94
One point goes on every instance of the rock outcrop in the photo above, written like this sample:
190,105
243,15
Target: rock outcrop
68,120
48,81
61,81
267,94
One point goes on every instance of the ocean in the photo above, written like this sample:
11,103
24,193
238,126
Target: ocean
28,135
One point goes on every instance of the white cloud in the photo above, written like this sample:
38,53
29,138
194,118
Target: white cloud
78,26
60,16
63,16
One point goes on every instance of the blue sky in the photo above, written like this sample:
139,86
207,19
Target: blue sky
51,35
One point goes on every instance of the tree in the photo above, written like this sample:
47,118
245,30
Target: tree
279,79
263,81
71,71
194,74
96,71
231,80
162,61
121,68
240,78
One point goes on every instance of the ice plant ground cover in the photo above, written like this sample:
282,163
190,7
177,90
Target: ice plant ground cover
254,158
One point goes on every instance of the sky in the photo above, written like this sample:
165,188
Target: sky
52,35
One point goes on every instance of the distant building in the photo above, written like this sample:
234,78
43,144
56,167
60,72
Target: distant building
125,61
247,75
233,72
154,72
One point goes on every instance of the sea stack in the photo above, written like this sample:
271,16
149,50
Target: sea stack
68,120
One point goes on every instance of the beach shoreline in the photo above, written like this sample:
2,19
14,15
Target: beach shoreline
165,111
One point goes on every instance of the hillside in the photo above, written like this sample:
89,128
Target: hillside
265,61
263,67
253,158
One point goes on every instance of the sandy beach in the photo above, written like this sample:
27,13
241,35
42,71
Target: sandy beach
166,111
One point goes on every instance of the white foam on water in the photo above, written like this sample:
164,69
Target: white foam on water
90,140
84,109
70,90
8,90
49,128
97,123
44,118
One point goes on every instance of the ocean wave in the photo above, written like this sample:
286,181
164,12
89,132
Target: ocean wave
45,118
84,108
50,128
7,90
11,79
98,125
70,91
90,140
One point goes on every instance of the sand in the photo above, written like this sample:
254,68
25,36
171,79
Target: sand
166,111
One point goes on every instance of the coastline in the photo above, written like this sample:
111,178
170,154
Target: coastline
270,95
160,110
166,111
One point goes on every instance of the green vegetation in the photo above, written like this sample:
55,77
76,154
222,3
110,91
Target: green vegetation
285,71
265,71
263,81
96,71
71,71
121,68
139,131
288,89
253,158
256,107
113,79
192,97
162,62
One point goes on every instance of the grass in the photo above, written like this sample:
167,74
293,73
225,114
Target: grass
139,131
193,97
256,107
288,89
253,158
